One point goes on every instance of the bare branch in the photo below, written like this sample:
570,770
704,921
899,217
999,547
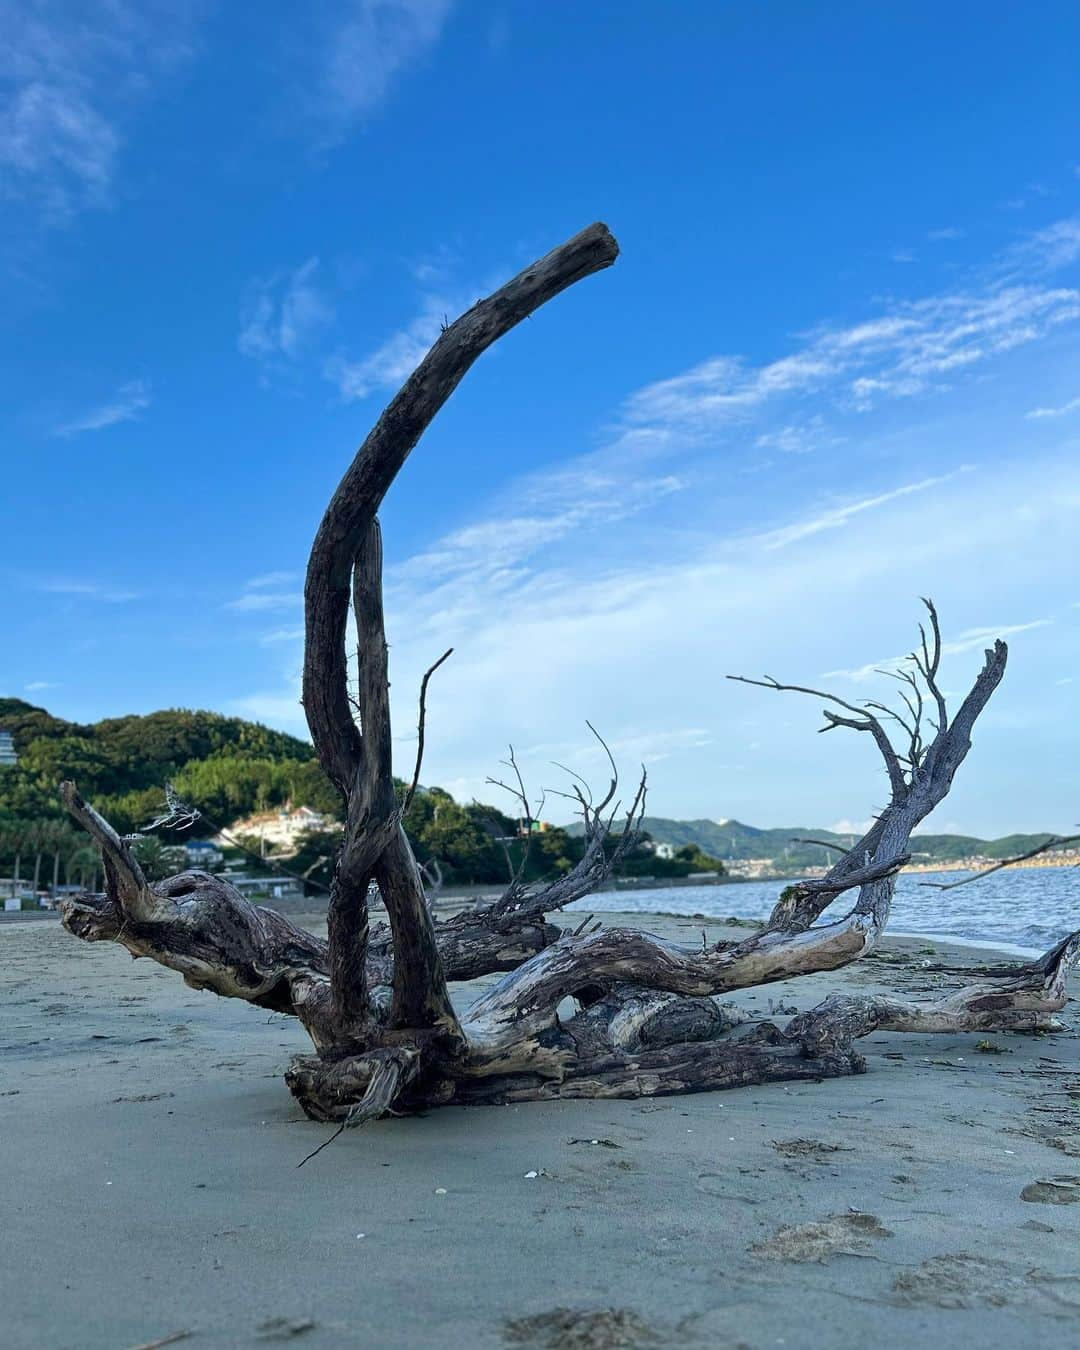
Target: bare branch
517,873
872,871
597,863
914,795
420,729
866,721
821,843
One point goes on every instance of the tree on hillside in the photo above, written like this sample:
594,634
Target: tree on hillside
375,1000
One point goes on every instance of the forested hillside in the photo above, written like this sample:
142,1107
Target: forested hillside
225,764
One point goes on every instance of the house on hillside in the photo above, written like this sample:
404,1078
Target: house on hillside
282,828
203,855
7,749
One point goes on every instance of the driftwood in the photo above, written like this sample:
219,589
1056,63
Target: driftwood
376,1002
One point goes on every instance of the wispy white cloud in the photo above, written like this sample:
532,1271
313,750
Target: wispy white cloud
256,601
837,516
125,406
945,233
277,635
268,579
68,81
395,358
38,686
1063,410
914,347
92,590
367,48
798,438
1054,246
966,641
548,634
267,591
855,827
281,314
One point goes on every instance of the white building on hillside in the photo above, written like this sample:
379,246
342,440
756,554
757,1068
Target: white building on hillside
7,749
282,828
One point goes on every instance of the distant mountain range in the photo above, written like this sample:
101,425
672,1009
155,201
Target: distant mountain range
731,841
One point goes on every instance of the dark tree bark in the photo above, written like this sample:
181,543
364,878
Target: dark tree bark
376,1002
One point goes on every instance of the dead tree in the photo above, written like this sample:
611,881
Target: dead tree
376,1003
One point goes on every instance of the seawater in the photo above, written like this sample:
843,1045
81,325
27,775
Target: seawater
1025,908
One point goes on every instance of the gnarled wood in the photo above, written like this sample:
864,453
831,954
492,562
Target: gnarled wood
376,1003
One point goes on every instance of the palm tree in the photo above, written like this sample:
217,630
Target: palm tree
37,834
58,840
13,839
83,864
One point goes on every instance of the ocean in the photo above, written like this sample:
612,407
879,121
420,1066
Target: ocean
1020,909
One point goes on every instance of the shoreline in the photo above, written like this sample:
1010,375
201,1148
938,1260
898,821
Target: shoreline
299,912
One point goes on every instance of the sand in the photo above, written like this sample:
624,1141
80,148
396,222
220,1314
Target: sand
151,1187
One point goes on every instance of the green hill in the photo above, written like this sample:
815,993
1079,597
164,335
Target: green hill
228,765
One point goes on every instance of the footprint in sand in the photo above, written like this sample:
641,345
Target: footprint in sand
1063,1190
838,1235
964,1280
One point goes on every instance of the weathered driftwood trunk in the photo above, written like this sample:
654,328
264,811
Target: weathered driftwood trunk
376,1003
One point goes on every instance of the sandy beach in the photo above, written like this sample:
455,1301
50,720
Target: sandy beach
151,1186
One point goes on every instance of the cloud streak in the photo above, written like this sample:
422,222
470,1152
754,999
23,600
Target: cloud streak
68,82
916,348
1064,410
281,314
966,641
370,46
124,406
90,590
394,360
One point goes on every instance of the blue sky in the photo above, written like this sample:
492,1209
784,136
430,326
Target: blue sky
835,368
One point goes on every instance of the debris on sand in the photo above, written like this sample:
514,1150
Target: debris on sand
838,1235
816,1150
1057,1191
573,1329
285,1328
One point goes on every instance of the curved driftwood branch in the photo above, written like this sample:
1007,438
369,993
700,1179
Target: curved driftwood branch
347,552
360,492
